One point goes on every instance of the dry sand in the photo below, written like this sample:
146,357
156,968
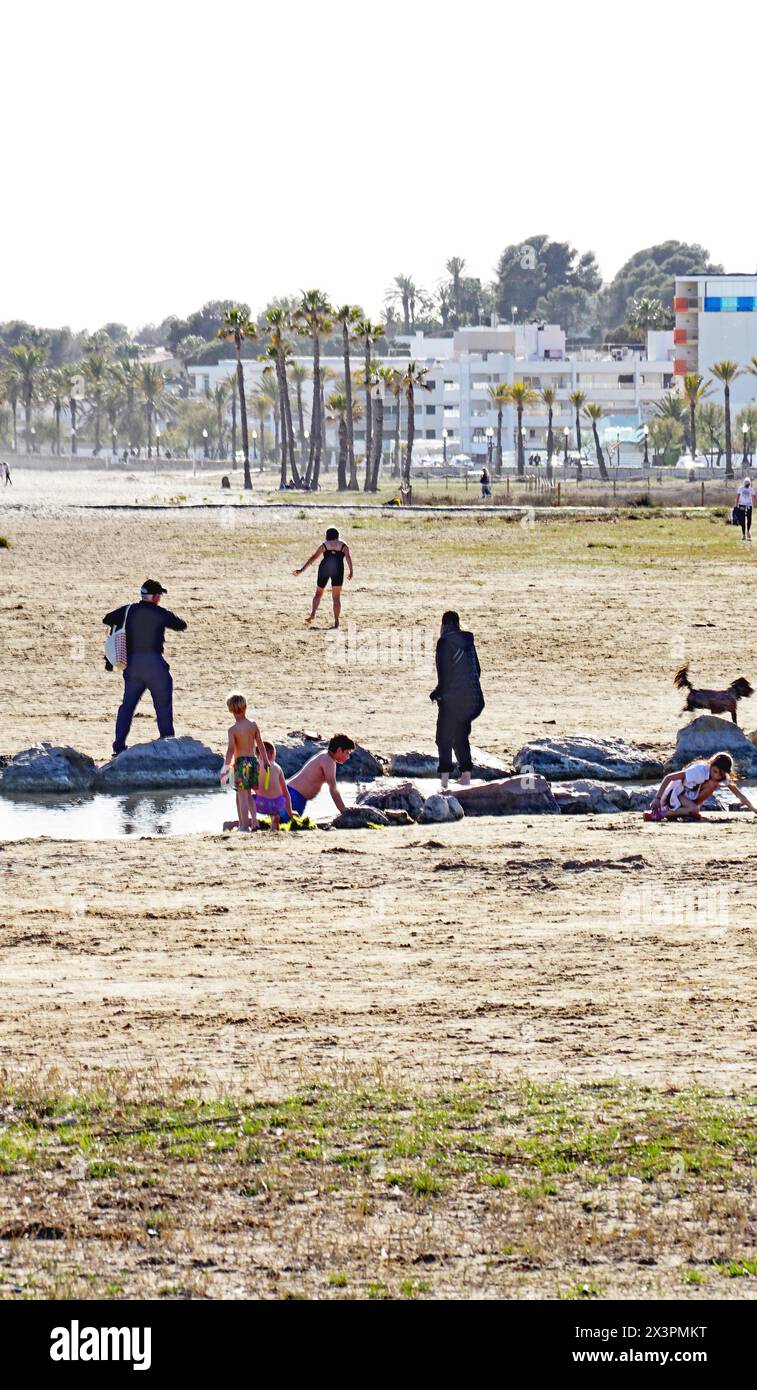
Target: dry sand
544,945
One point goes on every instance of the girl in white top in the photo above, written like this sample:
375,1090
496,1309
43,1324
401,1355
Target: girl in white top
682,793
745,501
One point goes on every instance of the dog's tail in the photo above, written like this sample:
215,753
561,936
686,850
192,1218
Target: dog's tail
681,678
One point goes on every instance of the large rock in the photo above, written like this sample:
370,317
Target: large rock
514,796
404,797
486,766
359,818
440,808
607,759
166,762
708,735
45,768
586,797
293,752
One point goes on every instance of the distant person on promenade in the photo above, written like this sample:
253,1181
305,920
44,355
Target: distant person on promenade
459,697
320,771
333,553
8,479
146,668
744,503
486,484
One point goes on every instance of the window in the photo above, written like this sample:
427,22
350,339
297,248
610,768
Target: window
431,434
431,410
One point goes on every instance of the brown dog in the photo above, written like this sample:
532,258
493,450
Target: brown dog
716,701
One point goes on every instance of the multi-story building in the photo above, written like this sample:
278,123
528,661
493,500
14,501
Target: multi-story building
458,407
716,319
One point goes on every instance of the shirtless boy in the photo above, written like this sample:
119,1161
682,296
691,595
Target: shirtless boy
318,772
246,751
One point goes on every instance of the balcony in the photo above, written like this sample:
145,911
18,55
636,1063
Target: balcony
680,366
681,304
679,335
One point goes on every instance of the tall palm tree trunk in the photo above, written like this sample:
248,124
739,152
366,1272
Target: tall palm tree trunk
344,447
57,428
498,455
243,418
693,429
397,461
27,422
550,444
728,453
97,426
378,443
219,427
72,413
149,429
234,425
300,421
521,454
368,418
350,424
410,430
604,475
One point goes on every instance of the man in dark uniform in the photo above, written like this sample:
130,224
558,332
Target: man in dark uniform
459,697
147,668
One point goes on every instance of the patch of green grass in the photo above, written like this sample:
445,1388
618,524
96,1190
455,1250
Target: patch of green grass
499,1179
738,1269
581,1291
104,1169
379,1290
338,1279
693,1276
4,543
413,1288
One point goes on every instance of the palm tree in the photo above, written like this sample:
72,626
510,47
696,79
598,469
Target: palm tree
127,372
95,373
328,374
521,396
710,427
368,332
413,379
549,398
313,316
278,322
339,406
695,388
299,374
499,395
262,406
238,325
26,363
57,388
455,267
152,384
349,316
10,390
377,454
113,400
392,379
221,394
578,401
404,289
594,413
726,371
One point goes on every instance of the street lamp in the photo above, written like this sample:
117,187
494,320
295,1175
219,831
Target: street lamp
33,434
515,312
524,437
157,443
646,447
745,437
114,440
489,443
254,445
205,443
566,437
73,441
445,437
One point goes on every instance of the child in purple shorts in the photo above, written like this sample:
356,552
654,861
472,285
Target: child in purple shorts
272,796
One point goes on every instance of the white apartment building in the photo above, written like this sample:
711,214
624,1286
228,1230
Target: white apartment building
626,382
716,318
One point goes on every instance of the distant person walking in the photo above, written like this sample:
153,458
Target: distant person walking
8,479
146,668
486,484
459,697
744,503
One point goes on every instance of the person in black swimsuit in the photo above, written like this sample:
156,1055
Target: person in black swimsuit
331,554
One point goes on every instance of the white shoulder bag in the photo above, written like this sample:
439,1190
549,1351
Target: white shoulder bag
115,644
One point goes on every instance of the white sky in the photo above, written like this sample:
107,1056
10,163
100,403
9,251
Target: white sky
143,144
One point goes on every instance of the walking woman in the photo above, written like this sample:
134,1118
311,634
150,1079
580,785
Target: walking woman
332,554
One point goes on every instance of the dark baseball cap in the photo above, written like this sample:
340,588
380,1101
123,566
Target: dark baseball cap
151,586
